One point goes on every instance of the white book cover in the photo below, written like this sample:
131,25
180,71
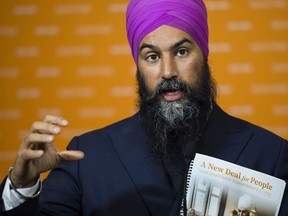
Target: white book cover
221,188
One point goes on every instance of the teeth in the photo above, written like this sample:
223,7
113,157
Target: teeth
171,92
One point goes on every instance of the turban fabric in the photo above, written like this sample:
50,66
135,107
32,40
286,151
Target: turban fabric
145,16
245,202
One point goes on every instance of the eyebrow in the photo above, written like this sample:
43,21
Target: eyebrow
179,43
174,46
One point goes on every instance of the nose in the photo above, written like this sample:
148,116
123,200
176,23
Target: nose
168,67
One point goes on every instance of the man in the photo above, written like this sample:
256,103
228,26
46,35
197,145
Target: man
138,166
244,205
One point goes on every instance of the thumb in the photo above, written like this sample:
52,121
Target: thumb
71,155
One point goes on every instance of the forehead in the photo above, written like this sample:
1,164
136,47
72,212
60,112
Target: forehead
165,36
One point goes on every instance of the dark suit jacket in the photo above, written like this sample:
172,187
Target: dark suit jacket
120,176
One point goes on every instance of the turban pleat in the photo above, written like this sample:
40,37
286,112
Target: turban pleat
145,16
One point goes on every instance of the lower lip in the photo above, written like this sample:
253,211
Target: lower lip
173,96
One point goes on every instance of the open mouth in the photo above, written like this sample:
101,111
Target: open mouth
170,94
170,90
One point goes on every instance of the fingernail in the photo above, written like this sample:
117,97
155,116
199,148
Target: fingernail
64,122
50,138
56,129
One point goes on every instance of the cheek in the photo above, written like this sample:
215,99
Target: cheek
195,66
150,76
151,83
190,72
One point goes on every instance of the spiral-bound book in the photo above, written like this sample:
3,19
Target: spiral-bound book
219,187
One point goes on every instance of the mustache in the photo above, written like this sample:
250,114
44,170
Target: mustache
170,85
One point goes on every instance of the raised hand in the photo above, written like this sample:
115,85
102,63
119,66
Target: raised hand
37,153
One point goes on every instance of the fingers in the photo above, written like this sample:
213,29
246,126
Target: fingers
32,154
37,152
57,120
34,146
44,128
44,131
39,138
49,125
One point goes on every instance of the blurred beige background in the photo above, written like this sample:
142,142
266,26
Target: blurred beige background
71,58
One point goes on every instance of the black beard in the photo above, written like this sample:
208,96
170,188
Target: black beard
175,128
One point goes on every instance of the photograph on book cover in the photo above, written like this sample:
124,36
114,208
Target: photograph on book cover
218,187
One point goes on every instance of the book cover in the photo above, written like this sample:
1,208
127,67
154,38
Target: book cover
218,187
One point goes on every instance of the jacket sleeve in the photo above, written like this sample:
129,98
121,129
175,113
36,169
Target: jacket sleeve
60,193
61,189
29,207
281,171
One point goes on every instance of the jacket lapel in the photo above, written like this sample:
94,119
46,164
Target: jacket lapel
161,196
146,172
225,139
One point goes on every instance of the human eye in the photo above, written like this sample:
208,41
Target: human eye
152,57
182,52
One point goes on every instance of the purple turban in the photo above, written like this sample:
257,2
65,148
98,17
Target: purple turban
144,16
